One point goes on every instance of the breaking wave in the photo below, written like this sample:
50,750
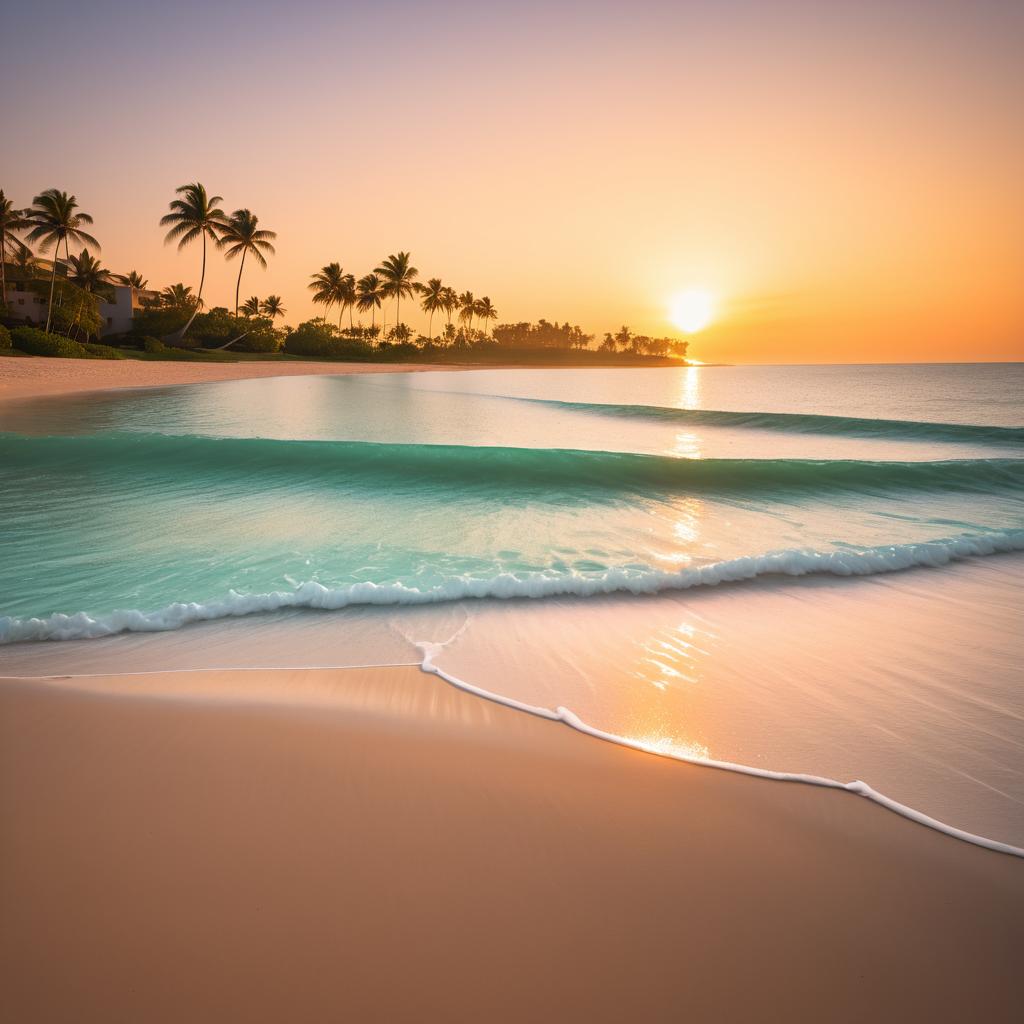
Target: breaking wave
505,470
314,595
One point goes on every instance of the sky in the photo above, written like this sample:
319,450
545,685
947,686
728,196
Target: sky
845,178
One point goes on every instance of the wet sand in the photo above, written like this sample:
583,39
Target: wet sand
375,845
35,376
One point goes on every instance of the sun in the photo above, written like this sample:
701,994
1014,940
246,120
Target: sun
693,310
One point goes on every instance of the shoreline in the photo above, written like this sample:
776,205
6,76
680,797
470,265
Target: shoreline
40,377
284,640
201,856
560,716
28,377
566,716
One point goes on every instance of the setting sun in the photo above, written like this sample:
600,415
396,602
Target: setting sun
693,310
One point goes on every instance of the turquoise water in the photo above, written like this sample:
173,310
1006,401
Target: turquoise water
422,487
584,491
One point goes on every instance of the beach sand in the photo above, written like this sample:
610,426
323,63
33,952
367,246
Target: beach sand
34,376
375,845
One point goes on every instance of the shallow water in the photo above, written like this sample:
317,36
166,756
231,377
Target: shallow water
590,491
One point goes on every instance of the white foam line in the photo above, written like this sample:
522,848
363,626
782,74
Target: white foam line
505,585
567,717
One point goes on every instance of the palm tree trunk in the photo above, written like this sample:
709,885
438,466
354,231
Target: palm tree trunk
238,284
341,313
220,348
199,298
78,313
350,316
430,329
53,281
3,269
202,274
67,257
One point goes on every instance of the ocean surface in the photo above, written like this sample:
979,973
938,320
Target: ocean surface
807,570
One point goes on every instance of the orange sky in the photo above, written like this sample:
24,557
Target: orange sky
848,179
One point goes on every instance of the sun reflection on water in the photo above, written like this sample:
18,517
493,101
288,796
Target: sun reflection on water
687,445
673,746
668,668
689,397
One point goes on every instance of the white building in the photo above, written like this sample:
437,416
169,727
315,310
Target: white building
117,315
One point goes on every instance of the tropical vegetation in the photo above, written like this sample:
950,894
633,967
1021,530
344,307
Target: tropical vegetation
51,220
176,318
240,236
196,215
331,286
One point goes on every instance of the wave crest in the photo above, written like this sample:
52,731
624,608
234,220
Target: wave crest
804,423
505,470
862,562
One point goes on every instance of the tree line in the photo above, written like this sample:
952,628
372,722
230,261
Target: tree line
77,282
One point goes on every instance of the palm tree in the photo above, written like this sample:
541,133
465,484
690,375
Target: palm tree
241,236
433,293
485,311
251,307
133,279
623,338
195,216
468,307
450,303
179,296
53,219
348,296
273,307
369,293
26,264
11,220
332,285
87,272
399,280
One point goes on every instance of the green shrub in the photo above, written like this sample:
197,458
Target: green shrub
72,309
156,348
39,343
189,343
5,337
314,338
258,335
257,343
103,351
159,322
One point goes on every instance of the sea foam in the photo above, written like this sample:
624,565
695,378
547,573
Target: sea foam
432,651
504,586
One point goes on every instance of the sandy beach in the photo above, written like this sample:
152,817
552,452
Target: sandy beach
683,685
35,377
373,844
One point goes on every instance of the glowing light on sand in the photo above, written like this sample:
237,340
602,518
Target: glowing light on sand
672,746
693,309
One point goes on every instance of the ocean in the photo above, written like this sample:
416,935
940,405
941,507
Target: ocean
792,570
